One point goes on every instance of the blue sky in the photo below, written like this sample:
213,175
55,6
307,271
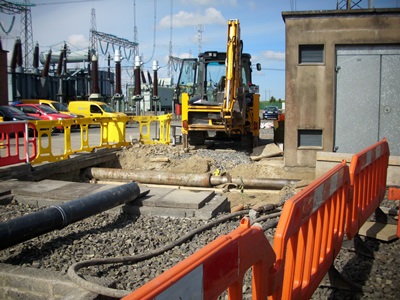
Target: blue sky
262,29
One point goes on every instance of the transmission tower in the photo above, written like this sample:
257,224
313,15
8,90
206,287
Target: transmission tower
352,4
97,36
170,45
26,33
200,30
93,28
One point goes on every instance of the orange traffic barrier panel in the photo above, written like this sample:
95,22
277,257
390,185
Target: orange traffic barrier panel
219,266
394,194
309,235
368,171
13,137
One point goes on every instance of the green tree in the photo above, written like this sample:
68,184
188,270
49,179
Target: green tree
272,99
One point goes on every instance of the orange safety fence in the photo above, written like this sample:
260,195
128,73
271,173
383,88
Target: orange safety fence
219,266
368,171
13,136
394,194
309,235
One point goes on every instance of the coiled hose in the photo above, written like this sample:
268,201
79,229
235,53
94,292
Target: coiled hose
101,290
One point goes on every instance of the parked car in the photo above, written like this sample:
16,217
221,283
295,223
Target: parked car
43,112
271,112
10,113
60,107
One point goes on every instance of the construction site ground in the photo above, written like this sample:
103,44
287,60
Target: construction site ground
224,157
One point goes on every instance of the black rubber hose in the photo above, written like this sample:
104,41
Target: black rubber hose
98,289
24,228
269,216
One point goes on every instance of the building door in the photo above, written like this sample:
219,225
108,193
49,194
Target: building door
367,98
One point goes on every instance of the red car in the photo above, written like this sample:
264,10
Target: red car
43,112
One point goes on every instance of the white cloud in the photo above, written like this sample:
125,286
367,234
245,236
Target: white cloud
210,2
273,55
79,41
185,19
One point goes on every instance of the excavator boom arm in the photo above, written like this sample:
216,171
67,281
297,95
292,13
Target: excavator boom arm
233,65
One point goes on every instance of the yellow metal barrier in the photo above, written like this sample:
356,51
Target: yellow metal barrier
110,132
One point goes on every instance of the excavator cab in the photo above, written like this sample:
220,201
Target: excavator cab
204,78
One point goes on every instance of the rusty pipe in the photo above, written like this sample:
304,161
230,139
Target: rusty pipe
151,177
186,179
253,183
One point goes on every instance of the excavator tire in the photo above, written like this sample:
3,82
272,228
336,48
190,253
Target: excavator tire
197,137
247,141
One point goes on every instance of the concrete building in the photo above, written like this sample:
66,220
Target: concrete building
342,82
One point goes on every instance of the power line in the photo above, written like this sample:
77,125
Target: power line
65,2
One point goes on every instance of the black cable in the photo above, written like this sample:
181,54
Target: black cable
269,216
95,288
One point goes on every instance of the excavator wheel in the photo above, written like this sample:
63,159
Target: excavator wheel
197,137
248,141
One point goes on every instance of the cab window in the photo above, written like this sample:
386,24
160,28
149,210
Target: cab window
94,109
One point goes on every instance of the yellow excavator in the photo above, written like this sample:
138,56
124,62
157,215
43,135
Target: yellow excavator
218,96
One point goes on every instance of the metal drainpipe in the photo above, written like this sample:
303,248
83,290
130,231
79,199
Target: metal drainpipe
24,228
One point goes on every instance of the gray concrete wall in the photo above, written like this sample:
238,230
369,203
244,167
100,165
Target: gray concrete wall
327,160
310,89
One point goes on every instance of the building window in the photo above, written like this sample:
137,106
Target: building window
311,54
310,138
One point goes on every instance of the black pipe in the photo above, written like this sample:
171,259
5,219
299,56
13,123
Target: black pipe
155,85
95,78
65,60
24,228
20,60
149,77
143,77
14,56
36,57
118,88
46,67
60,62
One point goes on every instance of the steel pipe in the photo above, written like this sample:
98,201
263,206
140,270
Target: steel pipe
55,217
151,177
186,179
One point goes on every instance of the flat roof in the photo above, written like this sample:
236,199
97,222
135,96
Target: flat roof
339,13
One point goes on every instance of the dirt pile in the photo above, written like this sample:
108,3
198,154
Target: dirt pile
225,161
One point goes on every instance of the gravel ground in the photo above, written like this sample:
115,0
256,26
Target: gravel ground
107,235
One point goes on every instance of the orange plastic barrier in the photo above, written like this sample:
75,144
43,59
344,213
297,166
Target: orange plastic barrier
11,135
368,170
394,194
309,235
219,266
